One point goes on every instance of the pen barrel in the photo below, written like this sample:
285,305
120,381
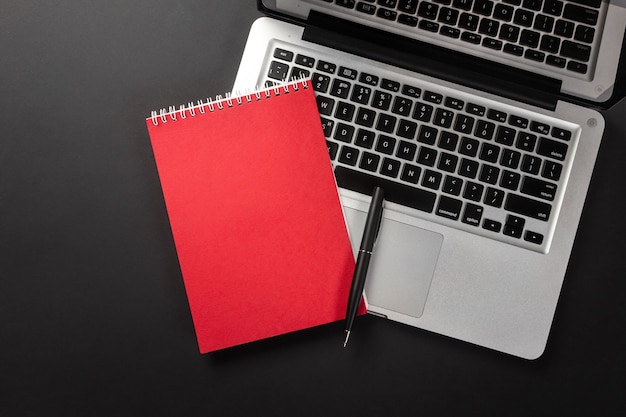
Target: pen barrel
356,290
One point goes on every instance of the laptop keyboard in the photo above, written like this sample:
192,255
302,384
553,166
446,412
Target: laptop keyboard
556,35
456,158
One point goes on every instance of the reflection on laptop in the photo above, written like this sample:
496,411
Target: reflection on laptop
462,111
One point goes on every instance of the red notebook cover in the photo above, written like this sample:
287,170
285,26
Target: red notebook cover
255,214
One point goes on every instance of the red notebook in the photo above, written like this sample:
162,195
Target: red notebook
255,214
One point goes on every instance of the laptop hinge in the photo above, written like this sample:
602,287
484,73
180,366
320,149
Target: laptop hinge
412,55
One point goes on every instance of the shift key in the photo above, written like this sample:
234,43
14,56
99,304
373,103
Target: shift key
528,207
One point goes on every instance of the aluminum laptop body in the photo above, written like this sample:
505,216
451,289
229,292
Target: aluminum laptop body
437,269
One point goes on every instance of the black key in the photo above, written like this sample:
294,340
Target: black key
398,193
505,135
347,73
526,141
408,6
320,82
489,27
510,180
518,121
463,4
278,70
448,141
484,129
492,225
498,116
390,167
580,14
402,106
448,16
406,150
369,162
364,138
550,44
325,105
532,4
530,38
510,158
428,25
528,207
533,237
509,33
381,100
366,8
427,135
584,34
368,79
387,14
492,44
494,197
361,94
503,12
283,54
489,152
365,117
564,28
471,37
327,126
562,134
576,51
544,23
454,103
346,3
305,61
409,90
469,21
405,19
428,10
332,149
469,146
452,185
590,3
531,164
472,214
577,67
512,49
552,148
433,97
556,61
513,231
475,109
552,170
340,88
423,112
431,179
483,7
464,124
553,7
345,111
489,174
443,118
538,188
448,162
386,144
534,55
427,156
386,123
327,67
538,127
344,132
348,155
450,32
473,191
390,85
449,207
468,168
524,17
407,129
410,173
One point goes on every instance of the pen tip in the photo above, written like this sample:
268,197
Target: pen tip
345,342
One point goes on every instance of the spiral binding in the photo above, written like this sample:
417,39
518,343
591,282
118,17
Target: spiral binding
172,114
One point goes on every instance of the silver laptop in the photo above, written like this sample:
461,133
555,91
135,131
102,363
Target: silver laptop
463,111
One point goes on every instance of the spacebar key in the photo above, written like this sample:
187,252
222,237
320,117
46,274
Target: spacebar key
395,192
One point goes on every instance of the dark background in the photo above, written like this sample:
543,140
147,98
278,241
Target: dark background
93,315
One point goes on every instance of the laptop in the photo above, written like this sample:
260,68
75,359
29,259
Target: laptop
477,119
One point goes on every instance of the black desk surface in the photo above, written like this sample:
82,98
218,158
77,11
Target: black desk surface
93,315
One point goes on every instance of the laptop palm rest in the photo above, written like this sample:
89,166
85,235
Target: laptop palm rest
402,265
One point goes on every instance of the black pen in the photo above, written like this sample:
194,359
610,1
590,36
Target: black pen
370,233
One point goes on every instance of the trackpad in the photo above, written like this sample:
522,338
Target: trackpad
402,265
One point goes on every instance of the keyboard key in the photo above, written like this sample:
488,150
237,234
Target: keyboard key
452,185
552,170
305,61
283,54
580,14
398,193
345,111
365,117
410,173
433,97
364,138
528,207
473,191
386,123
423,112
576,51
387,14
386,144
510,180
369,162
278,70
326,67
344,132
431,179
449,207
390,85
411,91
381,100
366,8
340,88
552,148
510,158
347,73
494,197
320,82
492,225
361,94
368,79
348,155
426,156
406,150
390,167
538,188
533,237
